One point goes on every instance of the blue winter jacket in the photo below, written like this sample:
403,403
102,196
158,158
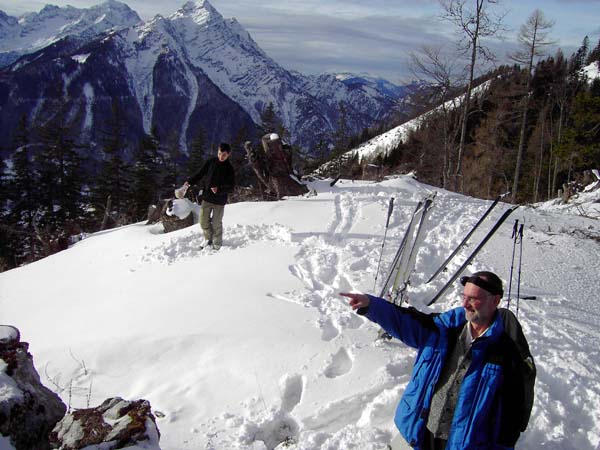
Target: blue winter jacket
489,399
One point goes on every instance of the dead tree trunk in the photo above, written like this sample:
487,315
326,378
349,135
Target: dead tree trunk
279,164
258,161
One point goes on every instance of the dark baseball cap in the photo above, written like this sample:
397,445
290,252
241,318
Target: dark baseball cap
485,280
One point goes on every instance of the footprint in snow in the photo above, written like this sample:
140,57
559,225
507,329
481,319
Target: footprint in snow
328,330
340,364
292,387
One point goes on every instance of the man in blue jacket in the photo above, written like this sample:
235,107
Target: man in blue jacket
467,390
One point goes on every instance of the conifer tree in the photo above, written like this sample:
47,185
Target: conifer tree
581,143
320,149
60,179
114,179
23,193
4,188
342,133
578,60
171,164
6,252
594,55
197,152
145,173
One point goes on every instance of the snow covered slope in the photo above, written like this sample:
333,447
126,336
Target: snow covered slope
248,346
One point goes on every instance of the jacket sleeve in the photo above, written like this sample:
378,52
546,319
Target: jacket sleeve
407,324
200,174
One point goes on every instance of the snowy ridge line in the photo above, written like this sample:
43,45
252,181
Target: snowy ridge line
384,143
33,31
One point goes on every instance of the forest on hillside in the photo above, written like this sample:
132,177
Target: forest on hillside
531,128
560,139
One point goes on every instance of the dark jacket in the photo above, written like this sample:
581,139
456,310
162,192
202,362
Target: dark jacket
487,414
215,173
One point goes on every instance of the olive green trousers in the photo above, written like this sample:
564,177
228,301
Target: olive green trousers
211,222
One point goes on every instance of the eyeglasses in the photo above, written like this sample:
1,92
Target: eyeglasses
474,300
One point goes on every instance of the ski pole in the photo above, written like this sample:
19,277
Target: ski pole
520,260
387,224
512,260
465,239
473,254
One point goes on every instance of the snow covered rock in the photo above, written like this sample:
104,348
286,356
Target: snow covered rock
115,424
28,410
177,214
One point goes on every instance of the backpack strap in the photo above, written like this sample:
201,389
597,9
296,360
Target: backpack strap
526,370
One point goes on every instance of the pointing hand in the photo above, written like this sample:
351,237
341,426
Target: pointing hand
357,300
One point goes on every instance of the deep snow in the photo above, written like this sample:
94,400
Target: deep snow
248,346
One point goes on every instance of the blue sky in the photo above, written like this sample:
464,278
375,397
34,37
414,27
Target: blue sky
314,36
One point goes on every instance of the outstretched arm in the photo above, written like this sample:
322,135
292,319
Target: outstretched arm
407,324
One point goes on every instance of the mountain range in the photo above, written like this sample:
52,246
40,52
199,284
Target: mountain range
175,76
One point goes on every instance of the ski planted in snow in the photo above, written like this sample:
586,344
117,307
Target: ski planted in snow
465,239
473,254
408,259
403,262
394,266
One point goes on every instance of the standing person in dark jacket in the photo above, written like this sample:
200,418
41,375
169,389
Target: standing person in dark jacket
219,180
471,386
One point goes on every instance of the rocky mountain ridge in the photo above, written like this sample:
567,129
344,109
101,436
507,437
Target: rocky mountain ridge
34,31
191,70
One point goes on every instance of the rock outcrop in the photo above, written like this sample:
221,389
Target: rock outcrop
28,410
32,417
115,424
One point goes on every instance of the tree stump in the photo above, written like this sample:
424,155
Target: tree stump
174,223
279,164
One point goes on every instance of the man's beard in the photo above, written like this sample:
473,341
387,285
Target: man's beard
473,316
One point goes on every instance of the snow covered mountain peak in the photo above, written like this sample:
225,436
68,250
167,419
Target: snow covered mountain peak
177,52
33,31
200,11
